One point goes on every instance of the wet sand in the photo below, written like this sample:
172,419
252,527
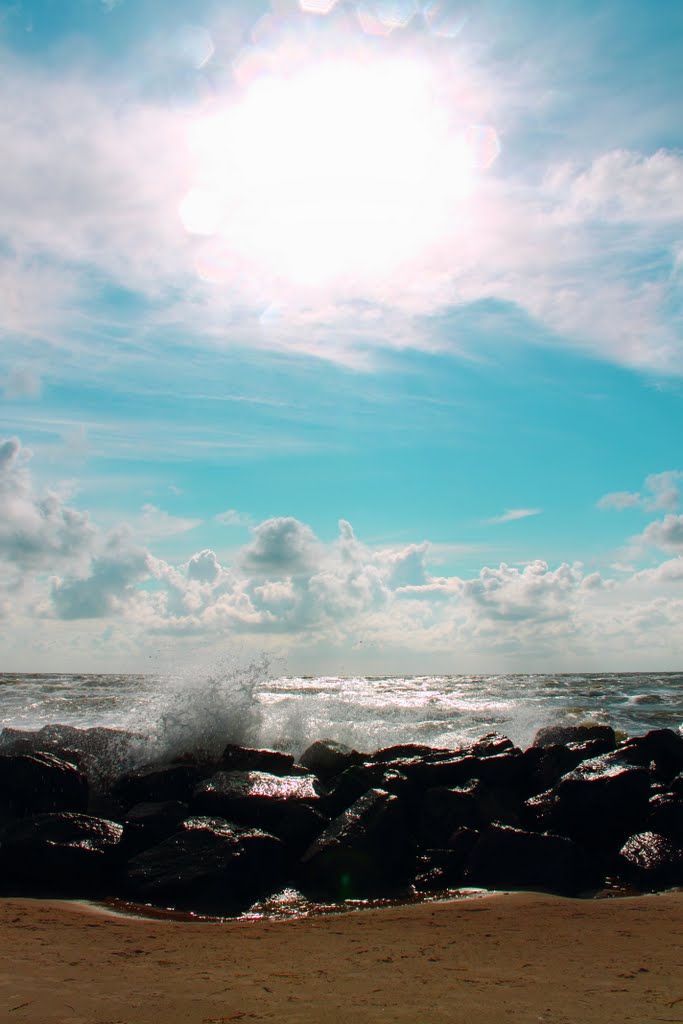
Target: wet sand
504,958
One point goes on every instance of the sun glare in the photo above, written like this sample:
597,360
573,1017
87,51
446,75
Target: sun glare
338,173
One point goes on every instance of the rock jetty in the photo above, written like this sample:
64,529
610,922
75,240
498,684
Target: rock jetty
577,811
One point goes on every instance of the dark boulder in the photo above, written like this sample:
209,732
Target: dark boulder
40,782
402,751
102,753
508,768
553,734
157,783
444,868
491,744
327,759
75,854
286,805
545,765
426,773
510,858
147,824
209,865
661,750
248,759
444,809
651,861
365,851
599,803
666,816
355,781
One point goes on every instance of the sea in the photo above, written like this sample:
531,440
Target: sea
243,703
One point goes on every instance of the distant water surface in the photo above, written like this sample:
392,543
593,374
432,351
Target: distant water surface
240,705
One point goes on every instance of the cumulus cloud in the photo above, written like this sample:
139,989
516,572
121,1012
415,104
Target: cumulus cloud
666,534
204,566
38,531
281,544
536,591
287,586
108,587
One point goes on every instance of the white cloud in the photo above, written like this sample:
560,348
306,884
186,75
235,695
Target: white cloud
102,192
231,517
204,566
666,534
37,531
282,545
661,492
154,524
22,382
511,514
620,500
109,587
629,186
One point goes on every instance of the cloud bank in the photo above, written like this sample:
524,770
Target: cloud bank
290,591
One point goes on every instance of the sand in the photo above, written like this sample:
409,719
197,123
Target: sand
503,958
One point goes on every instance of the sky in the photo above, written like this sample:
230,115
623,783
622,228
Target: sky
348,335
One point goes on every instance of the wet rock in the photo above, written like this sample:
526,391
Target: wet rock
328,759
40,782
661,750
509,768
236,792
445,809
666,816
651,861
102,753
281,804
676,784
357,780
68,853
403,751
147,824
444,868
547,764
599,803
365,851
209,865
157,783
425,773
591,748
553,734
491,744
248,759
510,858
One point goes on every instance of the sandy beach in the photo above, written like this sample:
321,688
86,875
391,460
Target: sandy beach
517,957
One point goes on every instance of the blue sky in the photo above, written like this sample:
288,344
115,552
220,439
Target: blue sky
345,332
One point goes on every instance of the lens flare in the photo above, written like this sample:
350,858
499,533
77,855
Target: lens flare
335,174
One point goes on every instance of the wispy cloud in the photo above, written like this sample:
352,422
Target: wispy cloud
511,514
661,492
556,239
231,517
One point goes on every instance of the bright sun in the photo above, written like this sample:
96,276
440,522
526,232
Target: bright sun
337,174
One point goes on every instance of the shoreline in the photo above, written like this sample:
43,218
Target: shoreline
496,957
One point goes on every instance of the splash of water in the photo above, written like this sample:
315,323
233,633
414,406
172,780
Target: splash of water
200,711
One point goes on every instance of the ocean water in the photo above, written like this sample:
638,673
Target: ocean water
183,711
